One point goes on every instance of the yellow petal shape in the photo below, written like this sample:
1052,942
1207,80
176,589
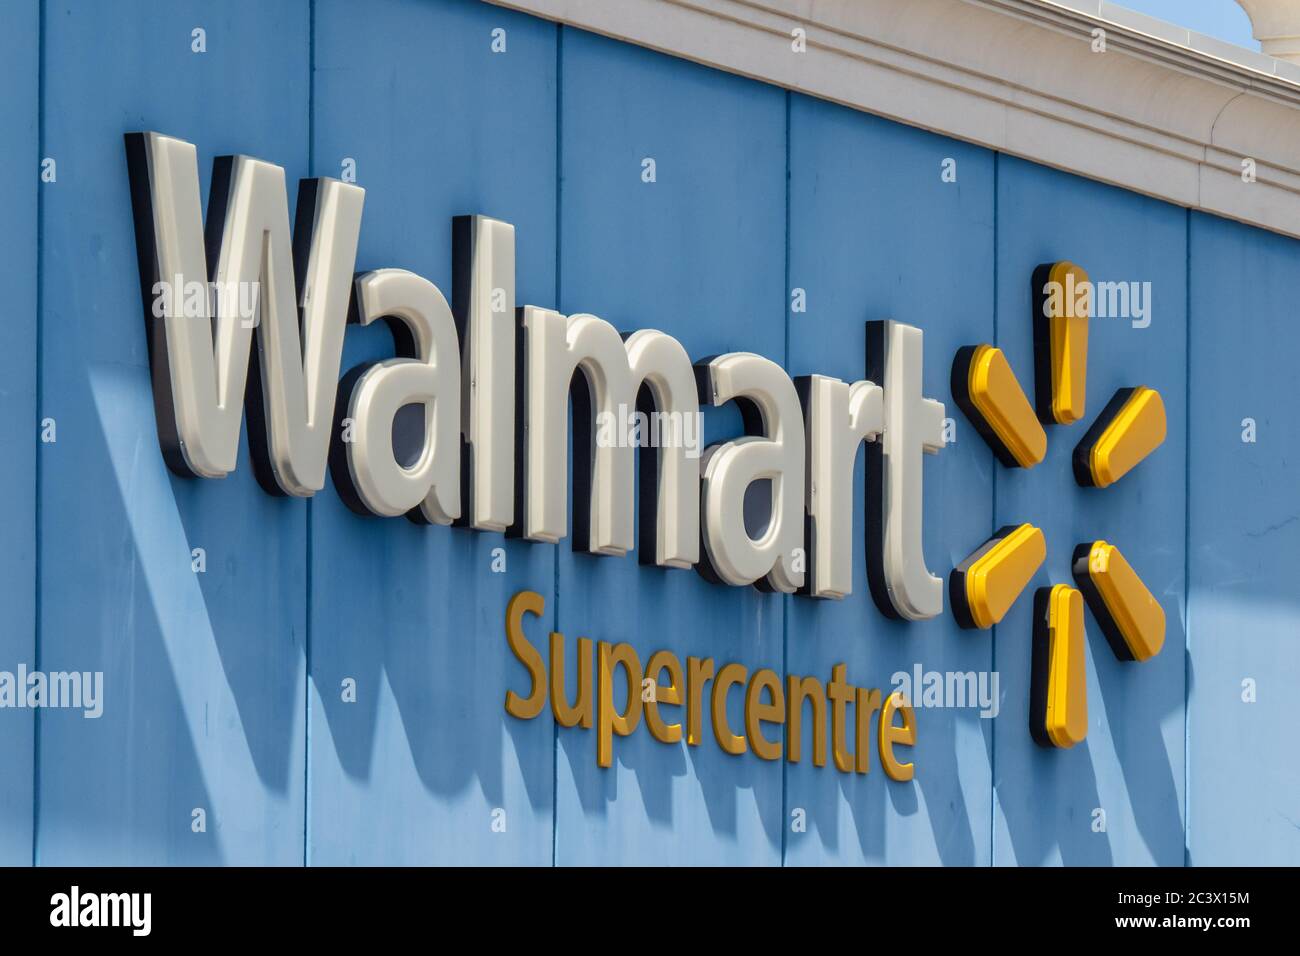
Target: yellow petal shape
986,584
1130,427
1059,711
1063,303
986,389
1130,616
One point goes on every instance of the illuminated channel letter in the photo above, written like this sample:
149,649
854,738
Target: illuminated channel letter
426,372
670,473
1130,616
730,675
532,603
1062,297
890,735
199,346
1058,713
772,449
483,300
986,584
901,585
1132,425
609,721
665,693
557,348
838,418
613,371
1129,428
986,389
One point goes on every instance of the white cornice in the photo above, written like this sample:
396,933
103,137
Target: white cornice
1276,25
1165,112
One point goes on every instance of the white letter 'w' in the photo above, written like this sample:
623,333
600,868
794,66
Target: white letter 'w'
199,356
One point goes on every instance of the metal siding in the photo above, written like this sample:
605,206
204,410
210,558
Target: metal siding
698,254
1131,765
222,689
203,673
876,234
20,154
412,772
1244,548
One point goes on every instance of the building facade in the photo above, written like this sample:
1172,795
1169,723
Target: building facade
285,681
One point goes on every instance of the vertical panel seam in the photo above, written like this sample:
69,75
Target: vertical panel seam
555,550
1187,544
785,598
37,553
993,525
307,610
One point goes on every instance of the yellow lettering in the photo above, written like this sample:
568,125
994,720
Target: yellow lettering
891,736
525,602
730,674
611,722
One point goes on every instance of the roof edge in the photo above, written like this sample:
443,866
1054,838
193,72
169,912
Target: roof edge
1158,109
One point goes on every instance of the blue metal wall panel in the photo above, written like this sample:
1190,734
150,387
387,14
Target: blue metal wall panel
413,771
699,253
1243,549
19,152
222,689
1131,765
203,673
874,234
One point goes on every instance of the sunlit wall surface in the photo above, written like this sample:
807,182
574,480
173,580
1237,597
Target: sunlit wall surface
222,688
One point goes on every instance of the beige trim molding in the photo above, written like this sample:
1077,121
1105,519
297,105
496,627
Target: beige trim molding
1276,25
1163,111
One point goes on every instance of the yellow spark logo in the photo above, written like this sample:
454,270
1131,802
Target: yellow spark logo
1131,426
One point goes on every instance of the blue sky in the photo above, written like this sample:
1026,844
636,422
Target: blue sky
1217,18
